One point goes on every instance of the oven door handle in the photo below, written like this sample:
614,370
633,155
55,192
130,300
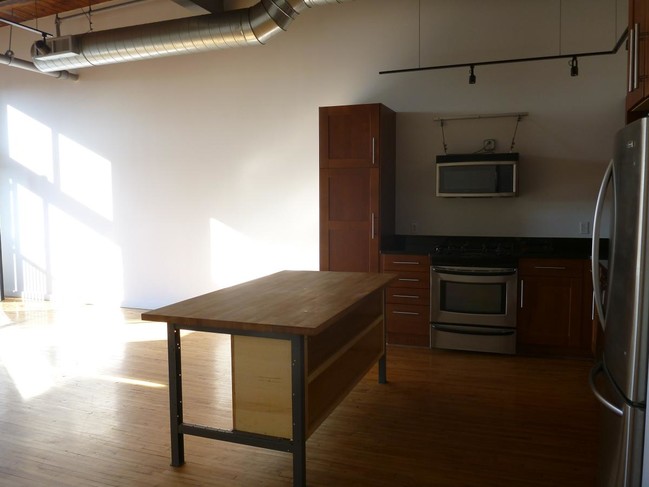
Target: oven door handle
473,331
474,271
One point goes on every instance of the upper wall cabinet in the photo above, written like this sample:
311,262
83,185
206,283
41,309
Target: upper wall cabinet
637,99
350,136
357,185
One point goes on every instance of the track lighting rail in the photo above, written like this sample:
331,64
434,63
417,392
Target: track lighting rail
472,65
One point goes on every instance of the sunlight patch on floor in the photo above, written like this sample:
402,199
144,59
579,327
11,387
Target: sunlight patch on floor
43,345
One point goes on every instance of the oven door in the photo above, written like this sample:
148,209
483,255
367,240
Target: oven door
473,296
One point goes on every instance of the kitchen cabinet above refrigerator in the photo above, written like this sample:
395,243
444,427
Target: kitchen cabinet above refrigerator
637,98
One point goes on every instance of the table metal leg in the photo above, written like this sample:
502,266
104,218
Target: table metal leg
383,372
299,415
175,396
383,376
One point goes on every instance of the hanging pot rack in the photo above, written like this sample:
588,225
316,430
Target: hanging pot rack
518,115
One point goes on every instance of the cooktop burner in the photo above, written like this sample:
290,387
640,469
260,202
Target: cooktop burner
474,252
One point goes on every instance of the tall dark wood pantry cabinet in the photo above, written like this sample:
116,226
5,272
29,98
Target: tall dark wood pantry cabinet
357,185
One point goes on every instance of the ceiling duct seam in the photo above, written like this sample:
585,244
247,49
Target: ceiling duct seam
236,28
280,11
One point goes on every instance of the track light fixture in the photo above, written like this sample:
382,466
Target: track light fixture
574,66
471,75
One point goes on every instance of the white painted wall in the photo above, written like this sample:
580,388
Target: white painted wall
145,183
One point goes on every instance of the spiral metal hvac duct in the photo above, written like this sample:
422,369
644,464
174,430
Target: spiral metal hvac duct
222,30
10,60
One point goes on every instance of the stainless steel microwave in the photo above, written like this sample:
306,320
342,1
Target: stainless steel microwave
477,175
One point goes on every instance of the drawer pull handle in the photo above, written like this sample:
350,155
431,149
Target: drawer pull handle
410,296
405,313
408,279
554,267
406,262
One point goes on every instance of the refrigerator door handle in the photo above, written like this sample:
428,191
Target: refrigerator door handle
596,233
591,381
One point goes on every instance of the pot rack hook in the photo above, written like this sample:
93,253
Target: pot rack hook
441,124
518,119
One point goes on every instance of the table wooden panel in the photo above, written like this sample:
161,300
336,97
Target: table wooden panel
301,340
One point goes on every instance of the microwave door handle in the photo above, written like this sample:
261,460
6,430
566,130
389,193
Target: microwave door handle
608,175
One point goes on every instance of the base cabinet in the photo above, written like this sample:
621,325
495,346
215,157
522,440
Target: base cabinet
408,299
552,316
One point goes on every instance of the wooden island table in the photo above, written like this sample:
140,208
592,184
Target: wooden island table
300,342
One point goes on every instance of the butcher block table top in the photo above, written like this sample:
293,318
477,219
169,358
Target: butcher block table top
291,302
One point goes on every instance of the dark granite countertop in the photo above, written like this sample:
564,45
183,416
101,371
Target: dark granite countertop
531,247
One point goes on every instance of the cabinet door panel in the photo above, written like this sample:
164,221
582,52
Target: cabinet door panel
349,231
348,136
637,52
349,194
348,249
552,311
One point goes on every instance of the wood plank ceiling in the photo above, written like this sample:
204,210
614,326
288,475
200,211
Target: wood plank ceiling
21,11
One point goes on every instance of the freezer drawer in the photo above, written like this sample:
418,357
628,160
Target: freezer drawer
621,435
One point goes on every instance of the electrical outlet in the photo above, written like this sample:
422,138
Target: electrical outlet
413,228
584,228
489,145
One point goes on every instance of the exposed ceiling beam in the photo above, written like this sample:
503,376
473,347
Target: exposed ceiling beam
202,6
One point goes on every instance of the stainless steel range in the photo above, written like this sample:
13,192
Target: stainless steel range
473,285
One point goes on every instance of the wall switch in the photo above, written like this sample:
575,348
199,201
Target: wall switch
584,228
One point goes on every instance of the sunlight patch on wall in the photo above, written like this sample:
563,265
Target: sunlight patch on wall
86,177
85,265
30,143
61,218
30,232
238,258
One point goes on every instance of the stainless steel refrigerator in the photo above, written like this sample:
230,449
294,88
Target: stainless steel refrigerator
619,380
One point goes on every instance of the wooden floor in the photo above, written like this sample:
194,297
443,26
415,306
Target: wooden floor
83,402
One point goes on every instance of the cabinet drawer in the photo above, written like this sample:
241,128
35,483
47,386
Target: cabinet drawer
406,262
551,267
408,319
412,280
408,296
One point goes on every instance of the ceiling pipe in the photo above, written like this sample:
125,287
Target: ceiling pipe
222,30
29,66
